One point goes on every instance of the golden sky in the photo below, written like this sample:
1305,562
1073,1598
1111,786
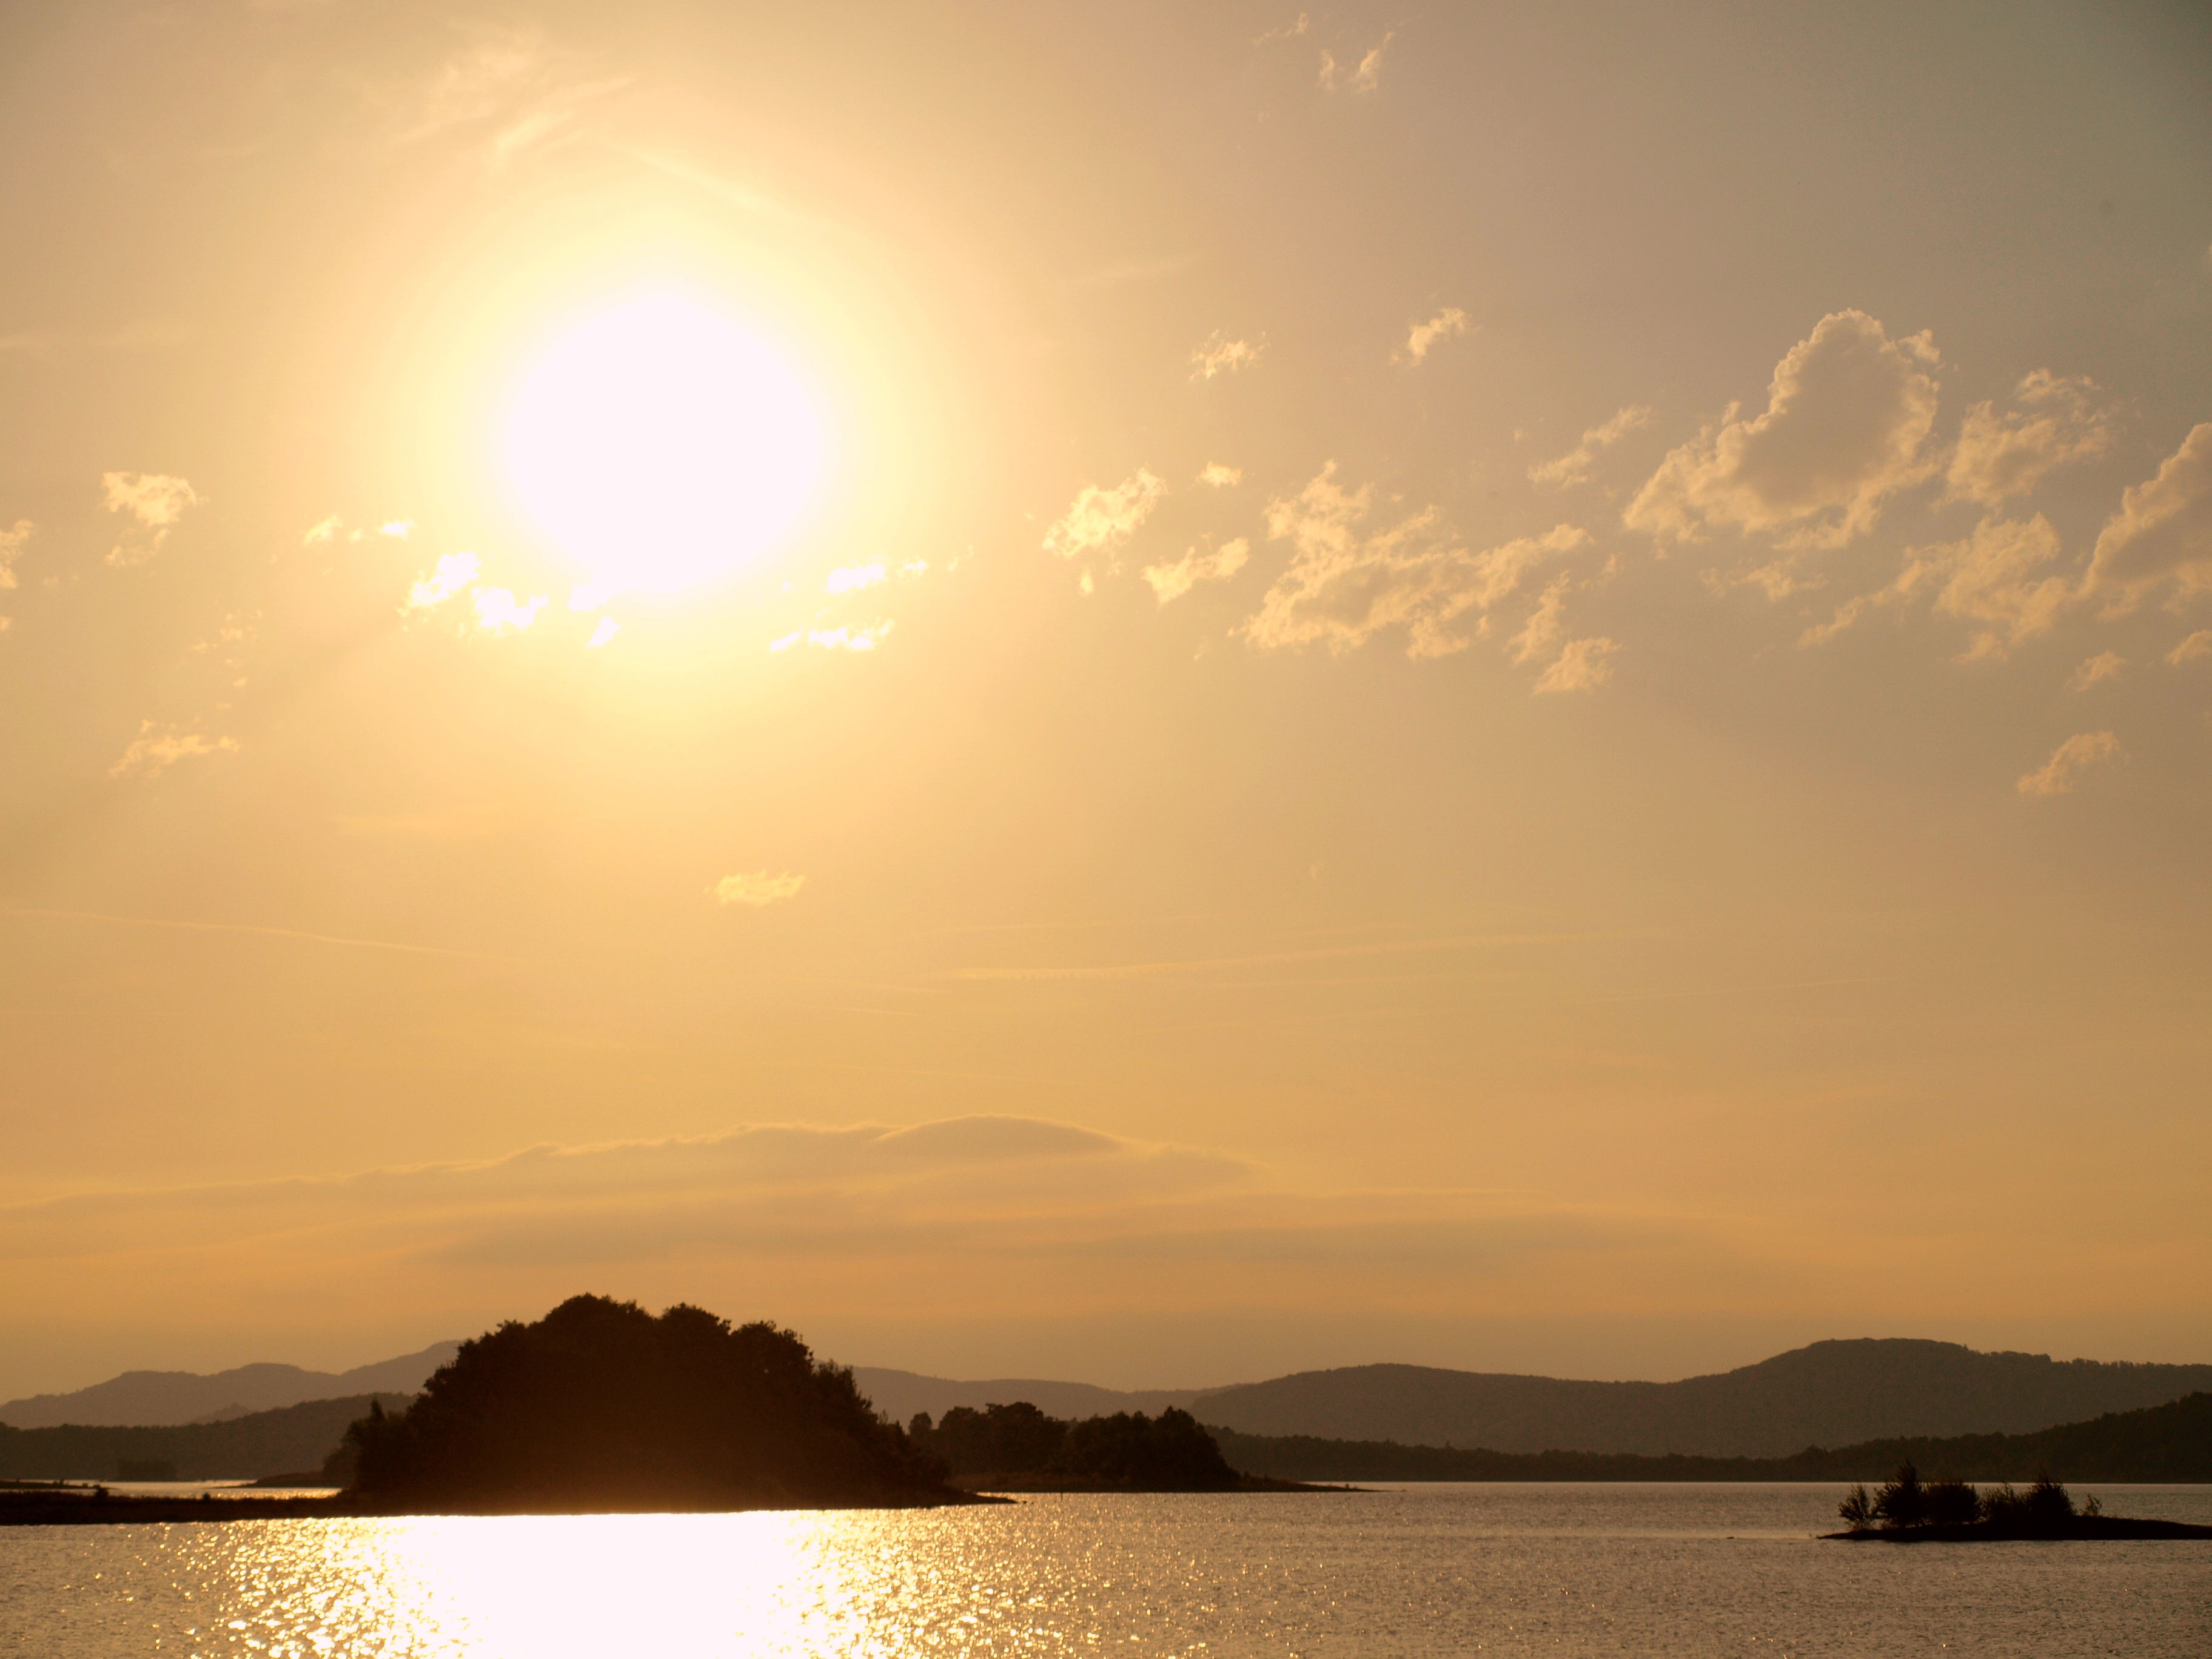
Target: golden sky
1148,692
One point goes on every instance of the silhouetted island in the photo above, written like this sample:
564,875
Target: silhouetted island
1017,1447
1908,1510
601,1406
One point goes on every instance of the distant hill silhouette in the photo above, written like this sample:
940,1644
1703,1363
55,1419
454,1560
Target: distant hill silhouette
281,1442
2168,1443
601,1406
1829,1393
899,1395
147,1398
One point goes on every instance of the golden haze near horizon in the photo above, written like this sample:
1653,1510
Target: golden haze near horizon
1144,693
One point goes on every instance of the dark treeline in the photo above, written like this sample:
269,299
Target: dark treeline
2169,1442
1128,1451
603,1405
283,1442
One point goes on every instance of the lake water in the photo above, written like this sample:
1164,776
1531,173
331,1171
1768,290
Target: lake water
1422,1569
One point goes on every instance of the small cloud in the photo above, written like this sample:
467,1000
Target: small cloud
1583,665
155,500
1101,520
1303,26
757,889
1220,475
156,748
2001,456
785,641
1991,577
1847,414
11,548
606,630
1544,626
327,530
1422,338
398,529
853,577
2069,761
1364,76
2198,644
1223,356
2163,531
1172,581
843,639
2102,666
453,573
1573,467
499,611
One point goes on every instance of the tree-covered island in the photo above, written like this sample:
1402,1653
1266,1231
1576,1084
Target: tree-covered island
1908,1510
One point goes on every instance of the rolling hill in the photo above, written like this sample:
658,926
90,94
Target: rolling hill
146,1399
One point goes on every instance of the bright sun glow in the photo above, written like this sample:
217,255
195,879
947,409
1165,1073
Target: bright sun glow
663,444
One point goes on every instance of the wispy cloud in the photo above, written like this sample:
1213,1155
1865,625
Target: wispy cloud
498,611
2080,752
1847,416
1582,665
2198,644
453,573
155,501
1220,475
1101,520
2163,532
1545,623
157,748
1172,581
1574,467
2103,666
1363,76
1220,354
12,541
757,887
1346,583
1424,338
853,577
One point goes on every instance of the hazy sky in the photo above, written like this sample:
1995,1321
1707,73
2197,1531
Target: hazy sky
1148,692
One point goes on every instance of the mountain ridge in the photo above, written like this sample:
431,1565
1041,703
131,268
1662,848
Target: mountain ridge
160,1399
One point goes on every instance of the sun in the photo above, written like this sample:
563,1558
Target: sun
663,444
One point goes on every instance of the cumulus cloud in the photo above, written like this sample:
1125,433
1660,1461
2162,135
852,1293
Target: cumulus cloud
1582,665
1424,338
1222,355
2000,456
1346,583
1573,467
843,638
851,577
454,572
498,611
1220,475
1994,577
1364,76
1172,581
156,748
602,634
2163,531
2069,761
1101,520
2102,666
1847,415
757,887
2198,644
155,501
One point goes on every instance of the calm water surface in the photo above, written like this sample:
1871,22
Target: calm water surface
1555,1570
